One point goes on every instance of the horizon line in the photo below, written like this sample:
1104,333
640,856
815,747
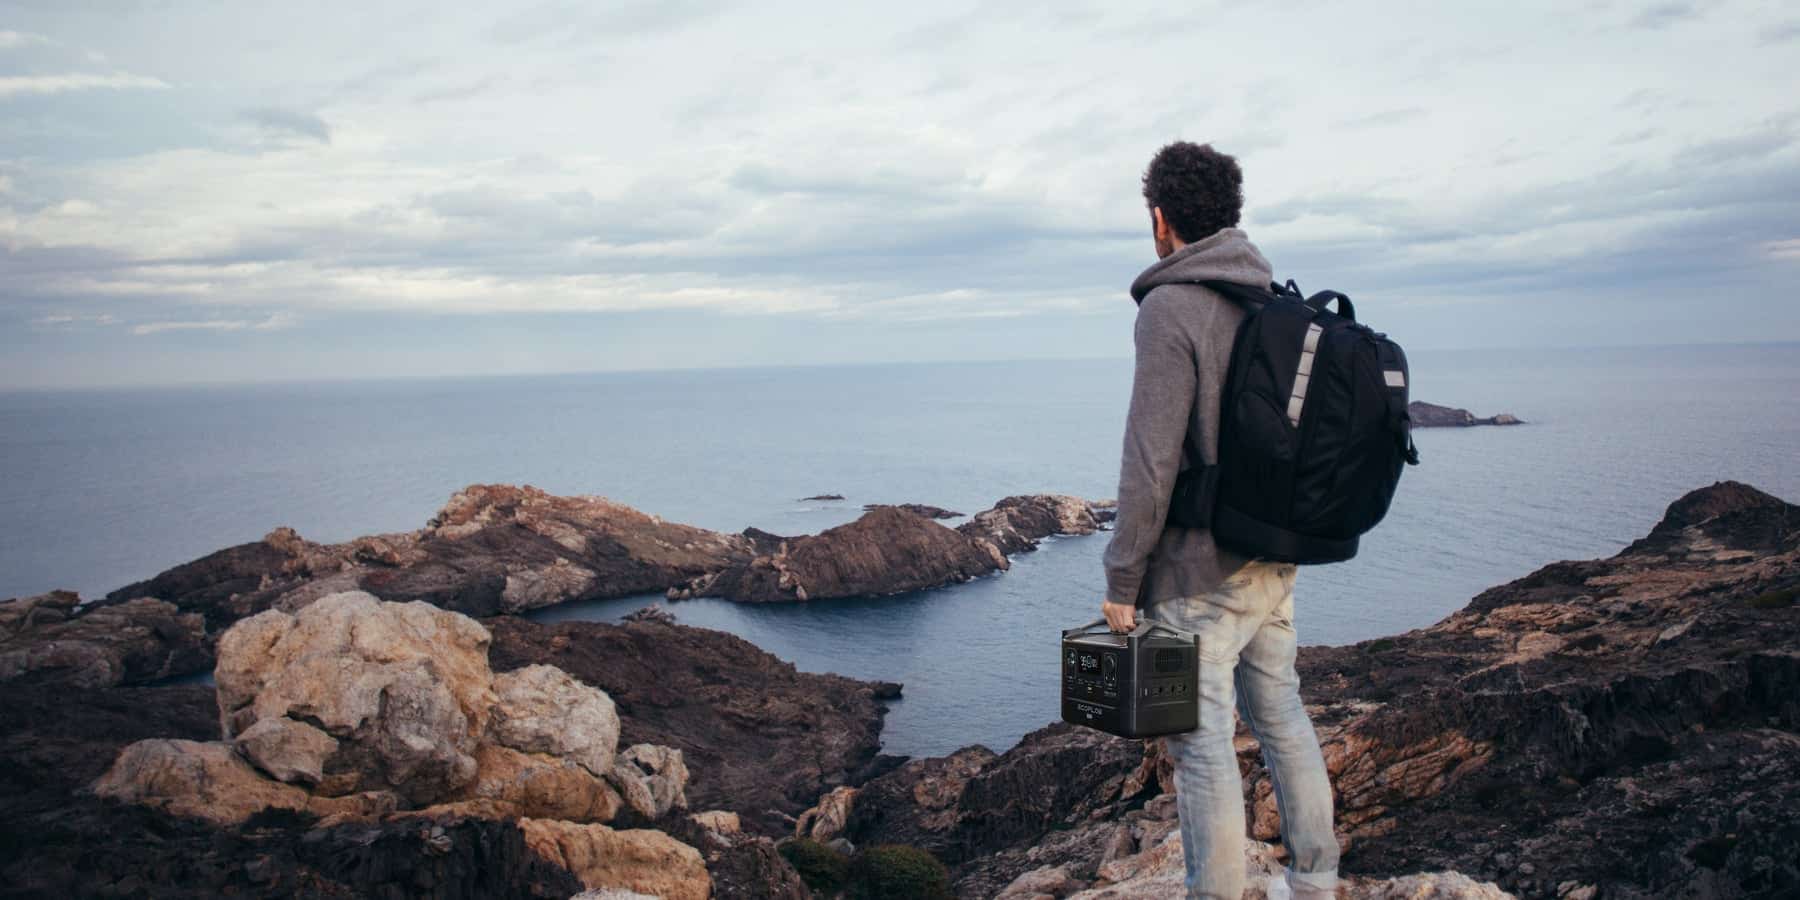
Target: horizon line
134,386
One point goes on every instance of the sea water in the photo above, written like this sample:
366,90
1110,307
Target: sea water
102,488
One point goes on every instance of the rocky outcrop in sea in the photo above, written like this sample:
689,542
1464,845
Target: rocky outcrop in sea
498,550
1430,415
1625,727
895,549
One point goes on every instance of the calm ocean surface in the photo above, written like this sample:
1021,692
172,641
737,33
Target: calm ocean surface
101,488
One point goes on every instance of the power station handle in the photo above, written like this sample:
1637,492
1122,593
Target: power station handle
1145,626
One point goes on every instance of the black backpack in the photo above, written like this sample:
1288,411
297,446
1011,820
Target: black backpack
1313,431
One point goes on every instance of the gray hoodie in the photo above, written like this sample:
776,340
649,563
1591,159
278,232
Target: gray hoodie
1184,335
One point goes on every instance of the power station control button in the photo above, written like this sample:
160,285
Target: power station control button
1109,666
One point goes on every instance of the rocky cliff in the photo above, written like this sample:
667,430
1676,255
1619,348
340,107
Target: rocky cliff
1625,727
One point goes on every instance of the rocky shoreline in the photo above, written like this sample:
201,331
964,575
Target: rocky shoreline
502,550
1620,728
1625,727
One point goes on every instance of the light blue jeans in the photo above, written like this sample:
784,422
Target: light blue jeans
1247,648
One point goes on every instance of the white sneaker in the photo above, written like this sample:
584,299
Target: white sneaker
1277,888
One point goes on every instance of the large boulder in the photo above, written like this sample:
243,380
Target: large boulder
648,862
509,783
288,751
210,781
543,710
404,689
653,779
397,701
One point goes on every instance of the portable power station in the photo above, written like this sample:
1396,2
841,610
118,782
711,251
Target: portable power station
1139,684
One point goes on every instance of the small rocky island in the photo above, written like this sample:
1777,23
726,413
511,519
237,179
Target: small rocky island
1624,727
1429,415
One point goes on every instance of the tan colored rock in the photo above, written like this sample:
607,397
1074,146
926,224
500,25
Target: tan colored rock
653,779
289,751
718,821
648,862
404,687
1051,881
542,709
538,786
1426,886
210,781
827,819
1160,872
546,585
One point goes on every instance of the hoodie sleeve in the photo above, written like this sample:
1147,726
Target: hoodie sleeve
1162,403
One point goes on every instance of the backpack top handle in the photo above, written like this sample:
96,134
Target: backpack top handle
1323,299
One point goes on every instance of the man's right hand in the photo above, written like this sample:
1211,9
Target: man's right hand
1122,617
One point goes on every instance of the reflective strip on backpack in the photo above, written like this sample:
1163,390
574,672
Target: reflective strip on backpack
1304,375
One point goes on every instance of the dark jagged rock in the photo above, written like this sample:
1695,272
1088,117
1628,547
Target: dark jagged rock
886,551
894,549
975,802
821,497
1430,415
917,509
652,613
1629,724
53,636
742,865
760,738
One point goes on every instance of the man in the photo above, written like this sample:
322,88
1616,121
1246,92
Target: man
1242,609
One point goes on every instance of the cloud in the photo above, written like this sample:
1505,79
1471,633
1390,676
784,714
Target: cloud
291,122
566,21
270,323
1779,33
1383,119
563,158
1784,250
10,40
23,85
72,319
1662,15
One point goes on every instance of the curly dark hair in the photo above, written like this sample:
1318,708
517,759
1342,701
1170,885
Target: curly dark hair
1199,189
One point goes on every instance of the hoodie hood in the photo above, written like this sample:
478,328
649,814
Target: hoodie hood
1226,255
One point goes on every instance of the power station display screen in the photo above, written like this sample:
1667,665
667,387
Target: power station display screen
1088,663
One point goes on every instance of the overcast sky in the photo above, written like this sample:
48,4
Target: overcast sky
246,191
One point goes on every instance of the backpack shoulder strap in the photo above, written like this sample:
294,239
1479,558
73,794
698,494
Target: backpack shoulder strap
1250,297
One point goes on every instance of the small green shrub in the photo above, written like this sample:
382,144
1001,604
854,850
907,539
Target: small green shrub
896,872
823,869
1775,599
